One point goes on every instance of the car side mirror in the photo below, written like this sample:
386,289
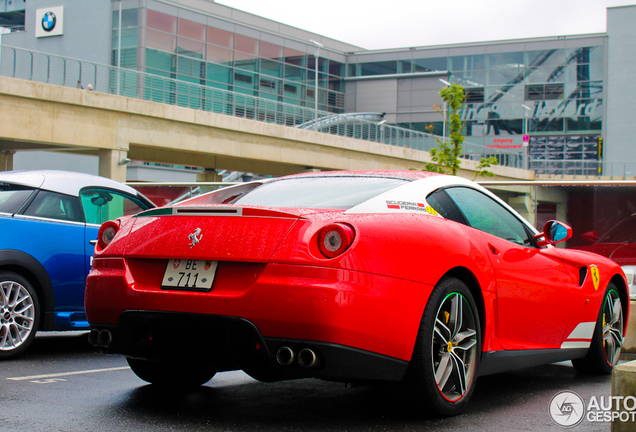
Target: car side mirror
553,232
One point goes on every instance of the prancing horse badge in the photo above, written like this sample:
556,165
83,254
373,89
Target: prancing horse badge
195,237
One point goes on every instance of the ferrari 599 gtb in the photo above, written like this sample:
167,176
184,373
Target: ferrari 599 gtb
395,276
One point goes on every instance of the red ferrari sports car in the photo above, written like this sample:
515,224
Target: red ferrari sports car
399,276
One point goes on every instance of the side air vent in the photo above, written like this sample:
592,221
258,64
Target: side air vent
582,274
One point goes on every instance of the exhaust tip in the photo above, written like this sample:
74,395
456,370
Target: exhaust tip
307,358
105,338
93,337
285,356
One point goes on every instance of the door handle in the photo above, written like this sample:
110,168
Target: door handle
493,249
93,242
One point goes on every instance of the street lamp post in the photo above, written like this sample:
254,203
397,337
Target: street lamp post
381,125
318,46
118,48
526,155
444,110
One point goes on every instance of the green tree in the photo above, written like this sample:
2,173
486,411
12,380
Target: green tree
446,156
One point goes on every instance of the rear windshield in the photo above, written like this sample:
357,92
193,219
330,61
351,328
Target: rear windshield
12,197
319,192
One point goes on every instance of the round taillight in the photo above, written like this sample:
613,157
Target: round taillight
106,233
335,239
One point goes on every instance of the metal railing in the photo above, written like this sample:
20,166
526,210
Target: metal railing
588,168
70,72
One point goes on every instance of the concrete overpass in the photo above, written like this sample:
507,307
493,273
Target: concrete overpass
37,116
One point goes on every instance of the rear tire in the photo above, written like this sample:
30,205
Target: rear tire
445,362
19,314
172,374
607,339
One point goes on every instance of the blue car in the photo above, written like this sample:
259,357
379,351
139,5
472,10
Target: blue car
48,225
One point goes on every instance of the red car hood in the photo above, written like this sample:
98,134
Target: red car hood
621,253
213,232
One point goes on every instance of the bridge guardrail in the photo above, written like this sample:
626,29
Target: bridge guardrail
53,69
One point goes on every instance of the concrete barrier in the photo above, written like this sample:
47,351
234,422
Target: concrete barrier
629,343
624,384
624,376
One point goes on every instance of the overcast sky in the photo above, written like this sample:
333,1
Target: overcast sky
377,24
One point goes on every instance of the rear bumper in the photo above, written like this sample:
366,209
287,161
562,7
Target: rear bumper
230,343
362,314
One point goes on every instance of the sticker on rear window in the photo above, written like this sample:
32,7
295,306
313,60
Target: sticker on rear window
409,205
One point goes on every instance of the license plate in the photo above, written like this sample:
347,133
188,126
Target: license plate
189,274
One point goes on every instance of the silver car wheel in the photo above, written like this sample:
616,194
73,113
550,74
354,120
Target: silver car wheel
454,347
612,327
17,315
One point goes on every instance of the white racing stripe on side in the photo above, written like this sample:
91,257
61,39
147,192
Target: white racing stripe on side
566,345
583,331
581,336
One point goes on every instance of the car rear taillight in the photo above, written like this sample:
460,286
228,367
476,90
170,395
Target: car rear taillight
335,239
106,233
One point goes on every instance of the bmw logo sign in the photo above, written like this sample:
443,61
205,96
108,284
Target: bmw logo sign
48,21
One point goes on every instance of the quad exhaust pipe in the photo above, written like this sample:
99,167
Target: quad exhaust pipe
285,356
307,358
100,338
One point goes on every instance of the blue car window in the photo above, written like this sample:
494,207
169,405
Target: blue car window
13,197
52,205
485,214
445,207
101,205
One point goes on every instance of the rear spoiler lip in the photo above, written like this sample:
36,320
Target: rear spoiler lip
217,211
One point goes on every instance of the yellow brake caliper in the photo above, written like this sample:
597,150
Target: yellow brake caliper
604,327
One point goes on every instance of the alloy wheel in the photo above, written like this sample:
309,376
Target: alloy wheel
454,346
612,327
17,315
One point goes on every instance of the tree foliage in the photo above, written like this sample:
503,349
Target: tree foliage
446,157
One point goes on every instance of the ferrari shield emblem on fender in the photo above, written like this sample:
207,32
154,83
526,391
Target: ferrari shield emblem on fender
596,276
195,237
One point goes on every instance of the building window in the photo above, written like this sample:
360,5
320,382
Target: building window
294,57
162,22
378,68
271,51
161,41
246,44
220,37
544,91
474,94
430,64
220,55
191,30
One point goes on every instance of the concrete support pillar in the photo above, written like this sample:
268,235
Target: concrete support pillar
524,205
623,384
6,160
112,164
629,342
209,175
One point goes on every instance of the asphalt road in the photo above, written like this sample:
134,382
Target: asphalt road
63,384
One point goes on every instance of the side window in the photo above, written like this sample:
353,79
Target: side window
13,197
52,205
486,214
101,205
445,207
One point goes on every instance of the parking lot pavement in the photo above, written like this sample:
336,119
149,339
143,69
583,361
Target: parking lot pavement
64,384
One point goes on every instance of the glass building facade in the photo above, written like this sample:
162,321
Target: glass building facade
554,95
552,90
562,87
233,58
